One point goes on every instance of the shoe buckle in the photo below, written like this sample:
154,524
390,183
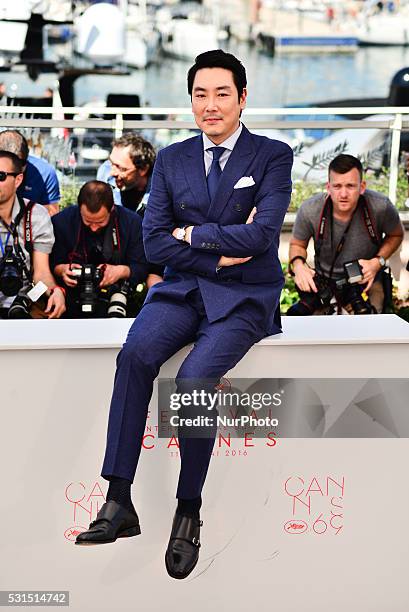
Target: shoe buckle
196,542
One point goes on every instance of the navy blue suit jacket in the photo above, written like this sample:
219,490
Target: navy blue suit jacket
179,197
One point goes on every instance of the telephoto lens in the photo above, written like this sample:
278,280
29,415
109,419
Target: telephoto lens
20,308
119,300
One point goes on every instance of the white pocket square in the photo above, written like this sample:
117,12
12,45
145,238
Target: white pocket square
245,181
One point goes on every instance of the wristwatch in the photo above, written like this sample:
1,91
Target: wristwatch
381,260
181,233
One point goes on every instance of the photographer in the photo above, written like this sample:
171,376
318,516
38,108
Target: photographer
129,171
40,183
355,231
98,253
26,239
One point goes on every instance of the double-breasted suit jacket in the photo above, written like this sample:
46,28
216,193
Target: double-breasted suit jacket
179,197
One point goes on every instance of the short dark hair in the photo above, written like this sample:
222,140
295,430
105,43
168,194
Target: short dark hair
16,162
218,59
141,151
15,142
343,163
94,195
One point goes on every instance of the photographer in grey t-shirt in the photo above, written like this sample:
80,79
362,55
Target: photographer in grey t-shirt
348,224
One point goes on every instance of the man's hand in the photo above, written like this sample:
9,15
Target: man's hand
251,216
225,262
370,268
56,304
52,209
64,271
304,276
112,274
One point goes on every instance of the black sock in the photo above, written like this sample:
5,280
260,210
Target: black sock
189,507
119,490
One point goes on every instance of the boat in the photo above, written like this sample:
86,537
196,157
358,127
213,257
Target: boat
106,35
384,30
294,31
184,31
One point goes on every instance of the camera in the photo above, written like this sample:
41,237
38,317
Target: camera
118,300
349,292
311,301
20,307
89,277
11,273
346,290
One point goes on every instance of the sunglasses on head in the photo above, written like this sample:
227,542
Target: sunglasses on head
4,175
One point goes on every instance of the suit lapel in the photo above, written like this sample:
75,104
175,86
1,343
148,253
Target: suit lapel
237,164
193,165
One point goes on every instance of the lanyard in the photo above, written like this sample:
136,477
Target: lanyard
328,208
2,247
11,231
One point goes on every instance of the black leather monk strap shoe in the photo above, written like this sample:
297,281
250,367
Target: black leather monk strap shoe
182,553
113,521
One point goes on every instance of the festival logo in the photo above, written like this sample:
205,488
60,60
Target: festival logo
316,505
84,504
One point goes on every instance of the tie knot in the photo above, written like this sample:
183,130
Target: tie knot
217,152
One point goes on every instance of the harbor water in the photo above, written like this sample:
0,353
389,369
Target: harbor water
283,80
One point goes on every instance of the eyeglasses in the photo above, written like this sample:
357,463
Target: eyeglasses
121,169
4,175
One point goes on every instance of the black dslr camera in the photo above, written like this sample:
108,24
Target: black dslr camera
89,277
96,301
349,291
311,301
11,273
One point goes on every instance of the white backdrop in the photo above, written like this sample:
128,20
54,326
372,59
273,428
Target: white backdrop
262,548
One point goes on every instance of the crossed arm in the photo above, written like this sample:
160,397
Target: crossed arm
235,243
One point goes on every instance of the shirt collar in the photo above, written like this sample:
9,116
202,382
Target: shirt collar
227,144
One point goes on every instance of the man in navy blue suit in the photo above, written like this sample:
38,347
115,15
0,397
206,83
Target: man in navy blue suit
213,219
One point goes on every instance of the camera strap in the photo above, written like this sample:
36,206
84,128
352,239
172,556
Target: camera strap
328,212
112,247
26,212
111,243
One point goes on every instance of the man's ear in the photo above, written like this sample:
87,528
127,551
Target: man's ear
243,99
143,171
19,180
362,188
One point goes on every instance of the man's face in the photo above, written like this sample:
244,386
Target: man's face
126,175
95,221
215,103
8,187
345,190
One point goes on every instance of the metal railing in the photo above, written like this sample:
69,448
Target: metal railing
394,119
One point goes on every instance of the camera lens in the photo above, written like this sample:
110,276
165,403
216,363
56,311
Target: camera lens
20,308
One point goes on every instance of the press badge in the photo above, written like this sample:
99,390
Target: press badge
37,291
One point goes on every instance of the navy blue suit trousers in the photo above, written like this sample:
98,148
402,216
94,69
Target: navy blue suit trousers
163,327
